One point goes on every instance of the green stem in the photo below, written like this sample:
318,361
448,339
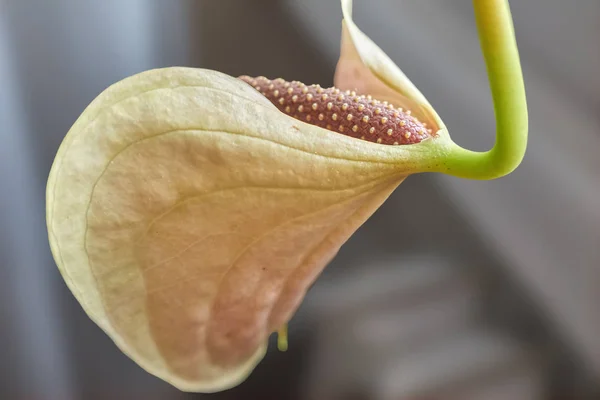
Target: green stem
499,47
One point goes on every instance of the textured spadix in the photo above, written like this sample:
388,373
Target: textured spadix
348,112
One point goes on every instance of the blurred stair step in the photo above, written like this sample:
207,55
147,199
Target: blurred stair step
463,366
390,327
384,285
371,335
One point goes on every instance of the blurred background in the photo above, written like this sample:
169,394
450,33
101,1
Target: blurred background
479,290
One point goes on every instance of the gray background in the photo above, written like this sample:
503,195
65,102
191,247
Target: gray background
529,242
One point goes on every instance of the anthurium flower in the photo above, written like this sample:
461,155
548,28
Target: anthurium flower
188,212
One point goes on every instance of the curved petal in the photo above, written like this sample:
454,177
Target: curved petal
189,216
364,67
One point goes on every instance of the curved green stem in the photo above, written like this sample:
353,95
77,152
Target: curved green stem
499,47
